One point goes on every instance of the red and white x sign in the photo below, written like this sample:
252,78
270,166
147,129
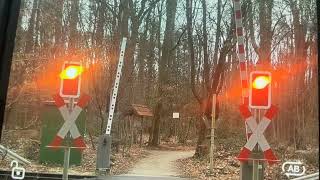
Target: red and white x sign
69,124
257,137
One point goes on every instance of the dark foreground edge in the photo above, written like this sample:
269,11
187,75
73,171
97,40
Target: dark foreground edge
6,175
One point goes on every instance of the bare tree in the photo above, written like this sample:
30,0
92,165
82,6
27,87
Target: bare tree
216,77
166,58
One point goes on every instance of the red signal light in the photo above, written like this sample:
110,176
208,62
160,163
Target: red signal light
260,90
71,72
70,79
260,82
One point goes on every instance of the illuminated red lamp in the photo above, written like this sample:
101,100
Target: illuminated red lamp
70,79
260,90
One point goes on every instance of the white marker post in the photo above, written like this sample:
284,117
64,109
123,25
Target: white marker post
213,125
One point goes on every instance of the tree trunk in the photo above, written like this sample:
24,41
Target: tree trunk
265,21
216,78
58,34
29,36
142,54
73,21
167,57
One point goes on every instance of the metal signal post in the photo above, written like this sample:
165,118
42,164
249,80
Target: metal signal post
69,88
104,144
259,98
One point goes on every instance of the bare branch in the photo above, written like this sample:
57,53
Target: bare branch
251,30
143,13
205,45
179,40
191,49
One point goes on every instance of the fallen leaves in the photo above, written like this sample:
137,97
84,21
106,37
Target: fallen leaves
27,147
224,168
227,167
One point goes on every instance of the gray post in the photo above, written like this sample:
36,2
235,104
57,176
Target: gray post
67,148
245,170
256,150
103,155
257,169
66,162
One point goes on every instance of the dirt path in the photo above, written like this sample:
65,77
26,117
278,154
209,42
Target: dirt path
159,163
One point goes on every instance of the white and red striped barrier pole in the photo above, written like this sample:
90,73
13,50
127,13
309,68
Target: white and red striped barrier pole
242,58
257,137
69,124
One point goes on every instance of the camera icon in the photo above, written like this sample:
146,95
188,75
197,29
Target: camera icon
17,172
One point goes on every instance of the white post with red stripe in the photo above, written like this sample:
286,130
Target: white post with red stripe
242,58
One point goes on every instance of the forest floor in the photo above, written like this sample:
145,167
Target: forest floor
226,166
169,159
24,143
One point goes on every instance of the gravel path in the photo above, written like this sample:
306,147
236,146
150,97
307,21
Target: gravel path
159,163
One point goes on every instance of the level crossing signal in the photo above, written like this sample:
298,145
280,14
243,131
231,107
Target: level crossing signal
70,79
260,90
